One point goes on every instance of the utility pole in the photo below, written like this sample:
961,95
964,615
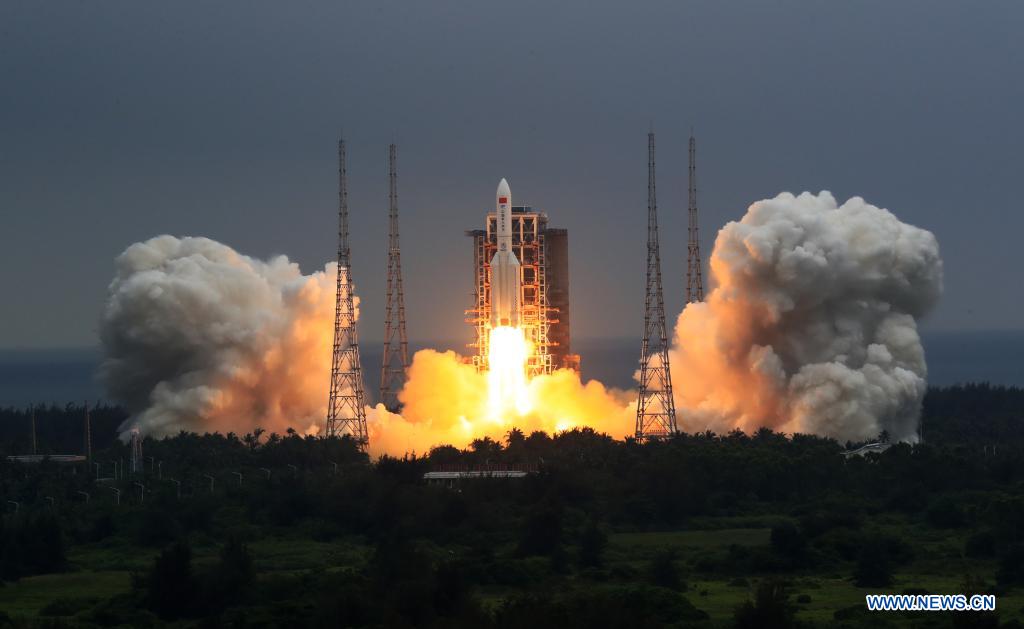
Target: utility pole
655,410
346,412
87,435
136,445
694,278
35,448
395,365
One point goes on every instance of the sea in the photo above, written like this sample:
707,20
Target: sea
62,376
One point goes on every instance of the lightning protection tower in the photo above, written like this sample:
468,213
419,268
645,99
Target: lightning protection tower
87,435
136,445
656,410
346,413
395,365
694,279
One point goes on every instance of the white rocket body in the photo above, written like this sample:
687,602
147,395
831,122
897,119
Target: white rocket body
505,275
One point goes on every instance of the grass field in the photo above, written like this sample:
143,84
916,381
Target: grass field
100,571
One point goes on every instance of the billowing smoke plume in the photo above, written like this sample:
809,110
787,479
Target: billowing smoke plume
811,326
198,337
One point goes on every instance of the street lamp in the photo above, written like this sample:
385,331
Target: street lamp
116,491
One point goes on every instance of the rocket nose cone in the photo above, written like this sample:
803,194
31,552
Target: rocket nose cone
503,188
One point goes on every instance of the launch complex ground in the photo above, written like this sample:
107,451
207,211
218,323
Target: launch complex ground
520,313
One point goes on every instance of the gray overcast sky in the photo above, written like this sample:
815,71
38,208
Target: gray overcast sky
123,120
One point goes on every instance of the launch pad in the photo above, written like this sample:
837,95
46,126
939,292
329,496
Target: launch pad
543,289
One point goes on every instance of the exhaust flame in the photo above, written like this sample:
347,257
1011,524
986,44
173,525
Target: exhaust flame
507,390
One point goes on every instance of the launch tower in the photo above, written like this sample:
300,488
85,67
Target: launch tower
694,278
656,410
346,413
542,253
395,366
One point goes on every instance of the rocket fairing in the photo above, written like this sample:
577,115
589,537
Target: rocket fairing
505,275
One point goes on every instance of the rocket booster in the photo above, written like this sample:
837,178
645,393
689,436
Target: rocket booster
505,276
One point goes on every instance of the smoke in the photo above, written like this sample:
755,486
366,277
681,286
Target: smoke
811,326
198,337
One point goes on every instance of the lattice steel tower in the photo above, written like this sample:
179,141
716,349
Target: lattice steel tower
395,365
656,410
136,446
694,278
346,413
87,435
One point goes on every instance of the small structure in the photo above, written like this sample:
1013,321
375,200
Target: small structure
39,458
63,459
865,449
450,475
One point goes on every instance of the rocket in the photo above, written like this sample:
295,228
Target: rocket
505,276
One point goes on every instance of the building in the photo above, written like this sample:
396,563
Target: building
543,254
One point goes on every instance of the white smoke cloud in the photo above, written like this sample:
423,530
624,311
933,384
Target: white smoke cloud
199,337
811,326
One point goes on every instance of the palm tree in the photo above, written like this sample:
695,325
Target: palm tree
514,437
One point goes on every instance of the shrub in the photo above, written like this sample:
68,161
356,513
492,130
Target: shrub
873,568
592,544
171,588
1011,565
662,571
788,540
980,544
944,513
770,608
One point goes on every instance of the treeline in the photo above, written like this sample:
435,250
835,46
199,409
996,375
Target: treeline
978,414
542,540
59,430
420,554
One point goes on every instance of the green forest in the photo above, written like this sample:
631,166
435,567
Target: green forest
701,530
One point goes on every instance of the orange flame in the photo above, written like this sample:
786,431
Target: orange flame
507,387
